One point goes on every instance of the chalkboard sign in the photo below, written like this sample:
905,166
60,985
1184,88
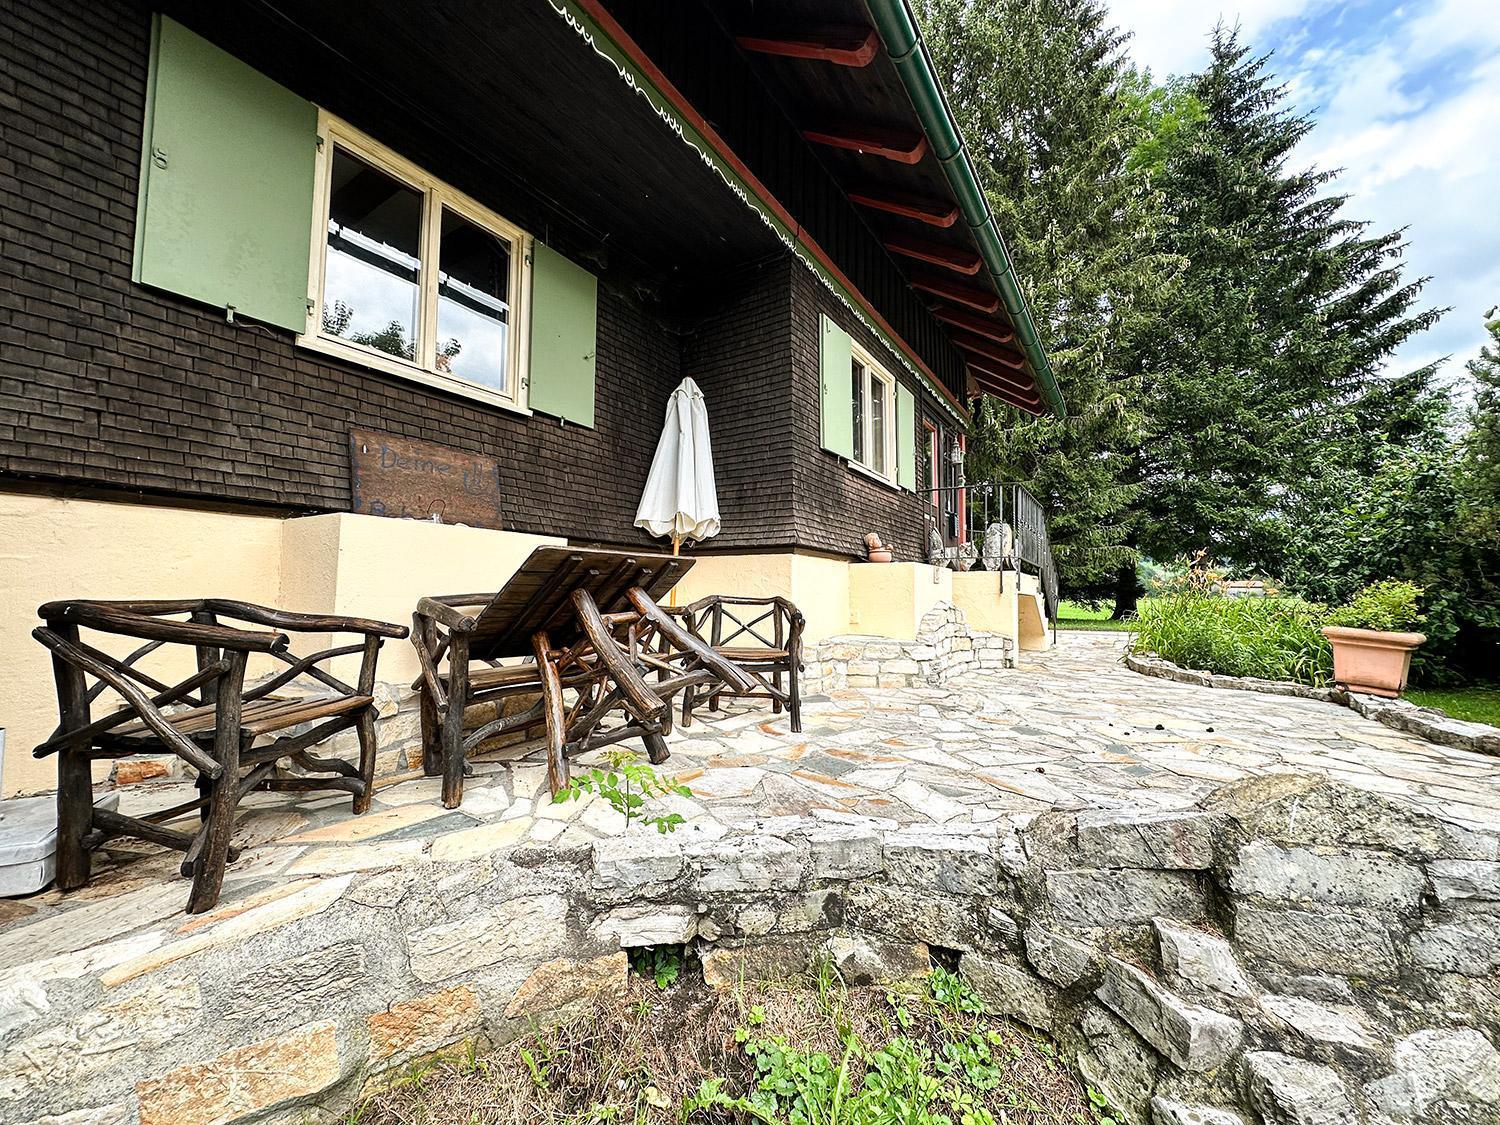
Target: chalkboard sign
406,479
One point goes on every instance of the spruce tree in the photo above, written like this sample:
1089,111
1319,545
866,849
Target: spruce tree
1043,93
1480,467
1264,378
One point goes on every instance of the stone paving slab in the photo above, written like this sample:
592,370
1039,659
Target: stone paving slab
1071,729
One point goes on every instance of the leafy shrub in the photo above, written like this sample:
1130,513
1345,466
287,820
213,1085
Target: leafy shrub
1269,638
1388,606
1406,520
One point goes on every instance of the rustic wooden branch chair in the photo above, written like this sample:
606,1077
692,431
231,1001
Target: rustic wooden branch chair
586,623
215,733
763,637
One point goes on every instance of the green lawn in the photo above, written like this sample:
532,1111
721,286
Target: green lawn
1071,615
1476,704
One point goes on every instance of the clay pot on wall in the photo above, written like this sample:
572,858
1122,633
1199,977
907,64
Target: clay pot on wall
875,551
1370,661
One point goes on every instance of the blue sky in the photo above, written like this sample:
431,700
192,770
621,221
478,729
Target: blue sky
1407,97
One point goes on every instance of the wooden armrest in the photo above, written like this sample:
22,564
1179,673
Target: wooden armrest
445,614
304,622
107,618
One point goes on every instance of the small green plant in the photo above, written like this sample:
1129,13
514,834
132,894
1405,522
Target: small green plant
662,963
1104,1113
627,784
949,991
1388,606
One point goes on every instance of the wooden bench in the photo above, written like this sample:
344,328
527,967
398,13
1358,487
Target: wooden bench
215,734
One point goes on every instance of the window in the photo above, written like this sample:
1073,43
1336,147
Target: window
873,401
931,473
411,277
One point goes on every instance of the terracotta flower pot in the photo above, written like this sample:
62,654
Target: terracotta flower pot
1371,661
880,556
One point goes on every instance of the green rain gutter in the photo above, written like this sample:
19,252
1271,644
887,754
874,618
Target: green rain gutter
903,43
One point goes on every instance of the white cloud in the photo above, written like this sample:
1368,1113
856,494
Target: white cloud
1407,102
1171,36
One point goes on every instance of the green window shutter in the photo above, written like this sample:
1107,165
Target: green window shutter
226,197
564,336
836,417
906,438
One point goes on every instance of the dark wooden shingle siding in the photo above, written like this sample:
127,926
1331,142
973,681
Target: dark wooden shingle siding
836,506
741,357
111,384
703,62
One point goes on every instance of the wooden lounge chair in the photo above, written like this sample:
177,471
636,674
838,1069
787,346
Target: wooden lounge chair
588,624
762,636
215,733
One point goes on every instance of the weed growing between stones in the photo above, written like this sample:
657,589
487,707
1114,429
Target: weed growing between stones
661,963
808,1052
627,784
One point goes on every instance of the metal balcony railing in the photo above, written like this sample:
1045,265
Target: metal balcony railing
1012,505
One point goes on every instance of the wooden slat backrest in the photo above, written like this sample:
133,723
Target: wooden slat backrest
538,595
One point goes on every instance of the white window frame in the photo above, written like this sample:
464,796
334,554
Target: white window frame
436,195
874,372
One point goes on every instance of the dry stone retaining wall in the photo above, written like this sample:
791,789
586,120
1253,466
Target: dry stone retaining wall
1290,951
945,646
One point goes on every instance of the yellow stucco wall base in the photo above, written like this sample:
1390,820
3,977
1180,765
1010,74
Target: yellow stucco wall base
367,566
890,599
364,566
816,585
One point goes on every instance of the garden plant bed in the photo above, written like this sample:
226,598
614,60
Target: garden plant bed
1399,714
814,1044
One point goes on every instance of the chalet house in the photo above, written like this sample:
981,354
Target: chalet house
274,271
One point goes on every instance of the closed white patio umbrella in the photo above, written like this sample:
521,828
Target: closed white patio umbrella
681,500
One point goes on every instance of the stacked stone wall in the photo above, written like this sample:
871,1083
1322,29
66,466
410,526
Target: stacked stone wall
1288,952
944,647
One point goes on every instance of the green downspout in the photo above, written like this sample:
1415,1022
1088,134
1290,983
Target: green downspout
903,43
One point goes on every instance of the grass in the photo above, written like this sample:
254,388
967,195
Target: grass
1473,704
810,1050
1076,615
1268,638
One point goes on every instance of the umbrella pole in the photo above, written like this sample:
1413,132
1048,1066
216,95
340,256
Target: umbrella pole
676,543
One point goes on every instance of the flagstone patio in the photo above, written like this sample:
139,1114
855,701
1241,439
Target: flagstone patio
1070,729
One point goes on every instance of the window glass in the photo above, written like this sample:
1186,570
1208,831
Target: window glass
857,389
473,312
372,270
878,398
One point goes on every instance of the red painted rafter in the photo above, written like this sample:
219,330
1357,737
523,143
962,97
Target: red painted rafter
844,45
1015,381
955,258
611,27
933,212
989,350
981,300
982,325
1034,409
900,145
1028,402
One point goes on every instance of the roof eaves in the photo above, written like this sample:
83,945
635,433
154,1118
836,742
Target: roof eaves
908,52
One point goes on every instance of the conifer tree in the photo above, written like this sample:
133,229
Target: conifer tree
1043,93
1480,467
1264,379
